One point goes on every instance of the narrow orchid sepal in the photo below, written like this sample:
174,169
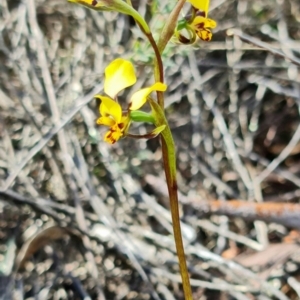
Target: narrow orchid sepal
139,98
156,131
185,33
150,135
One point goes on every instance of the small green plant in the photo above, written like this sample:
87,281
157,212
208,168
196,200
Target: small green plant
120,74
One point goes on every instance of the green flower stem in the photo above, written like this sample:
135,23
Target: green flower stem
164,38
159,77
170,170
169,159
158,48
158,67
168,146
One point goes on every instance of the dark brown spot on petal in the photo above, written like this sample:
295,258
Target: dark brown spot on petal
183,40
201,13
121,125
110,137
94,2
199,25
204,34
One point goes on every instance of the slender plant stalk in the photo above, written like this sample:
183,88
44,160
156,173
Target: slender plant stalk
170,167
163,40
168,149
169,159
168,146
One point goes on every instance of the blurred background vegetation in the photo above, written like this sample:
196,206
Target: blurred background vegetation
81,219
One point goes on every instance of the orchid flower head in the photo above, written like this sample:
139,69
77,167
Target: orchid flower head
120,74
198,24
203,26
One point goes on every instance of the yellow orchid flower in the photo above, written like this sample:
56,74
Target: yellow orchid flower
202,27
112,116
200,23
120,74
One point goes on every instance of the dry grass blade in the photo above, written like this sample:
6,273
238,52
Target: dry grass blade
39,241
252,40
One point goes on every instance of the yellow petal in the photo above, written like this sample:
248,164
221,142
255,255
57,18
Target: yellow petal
109,107
119,74
204,35
106,121
139,98
201,4
113,135
201,22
